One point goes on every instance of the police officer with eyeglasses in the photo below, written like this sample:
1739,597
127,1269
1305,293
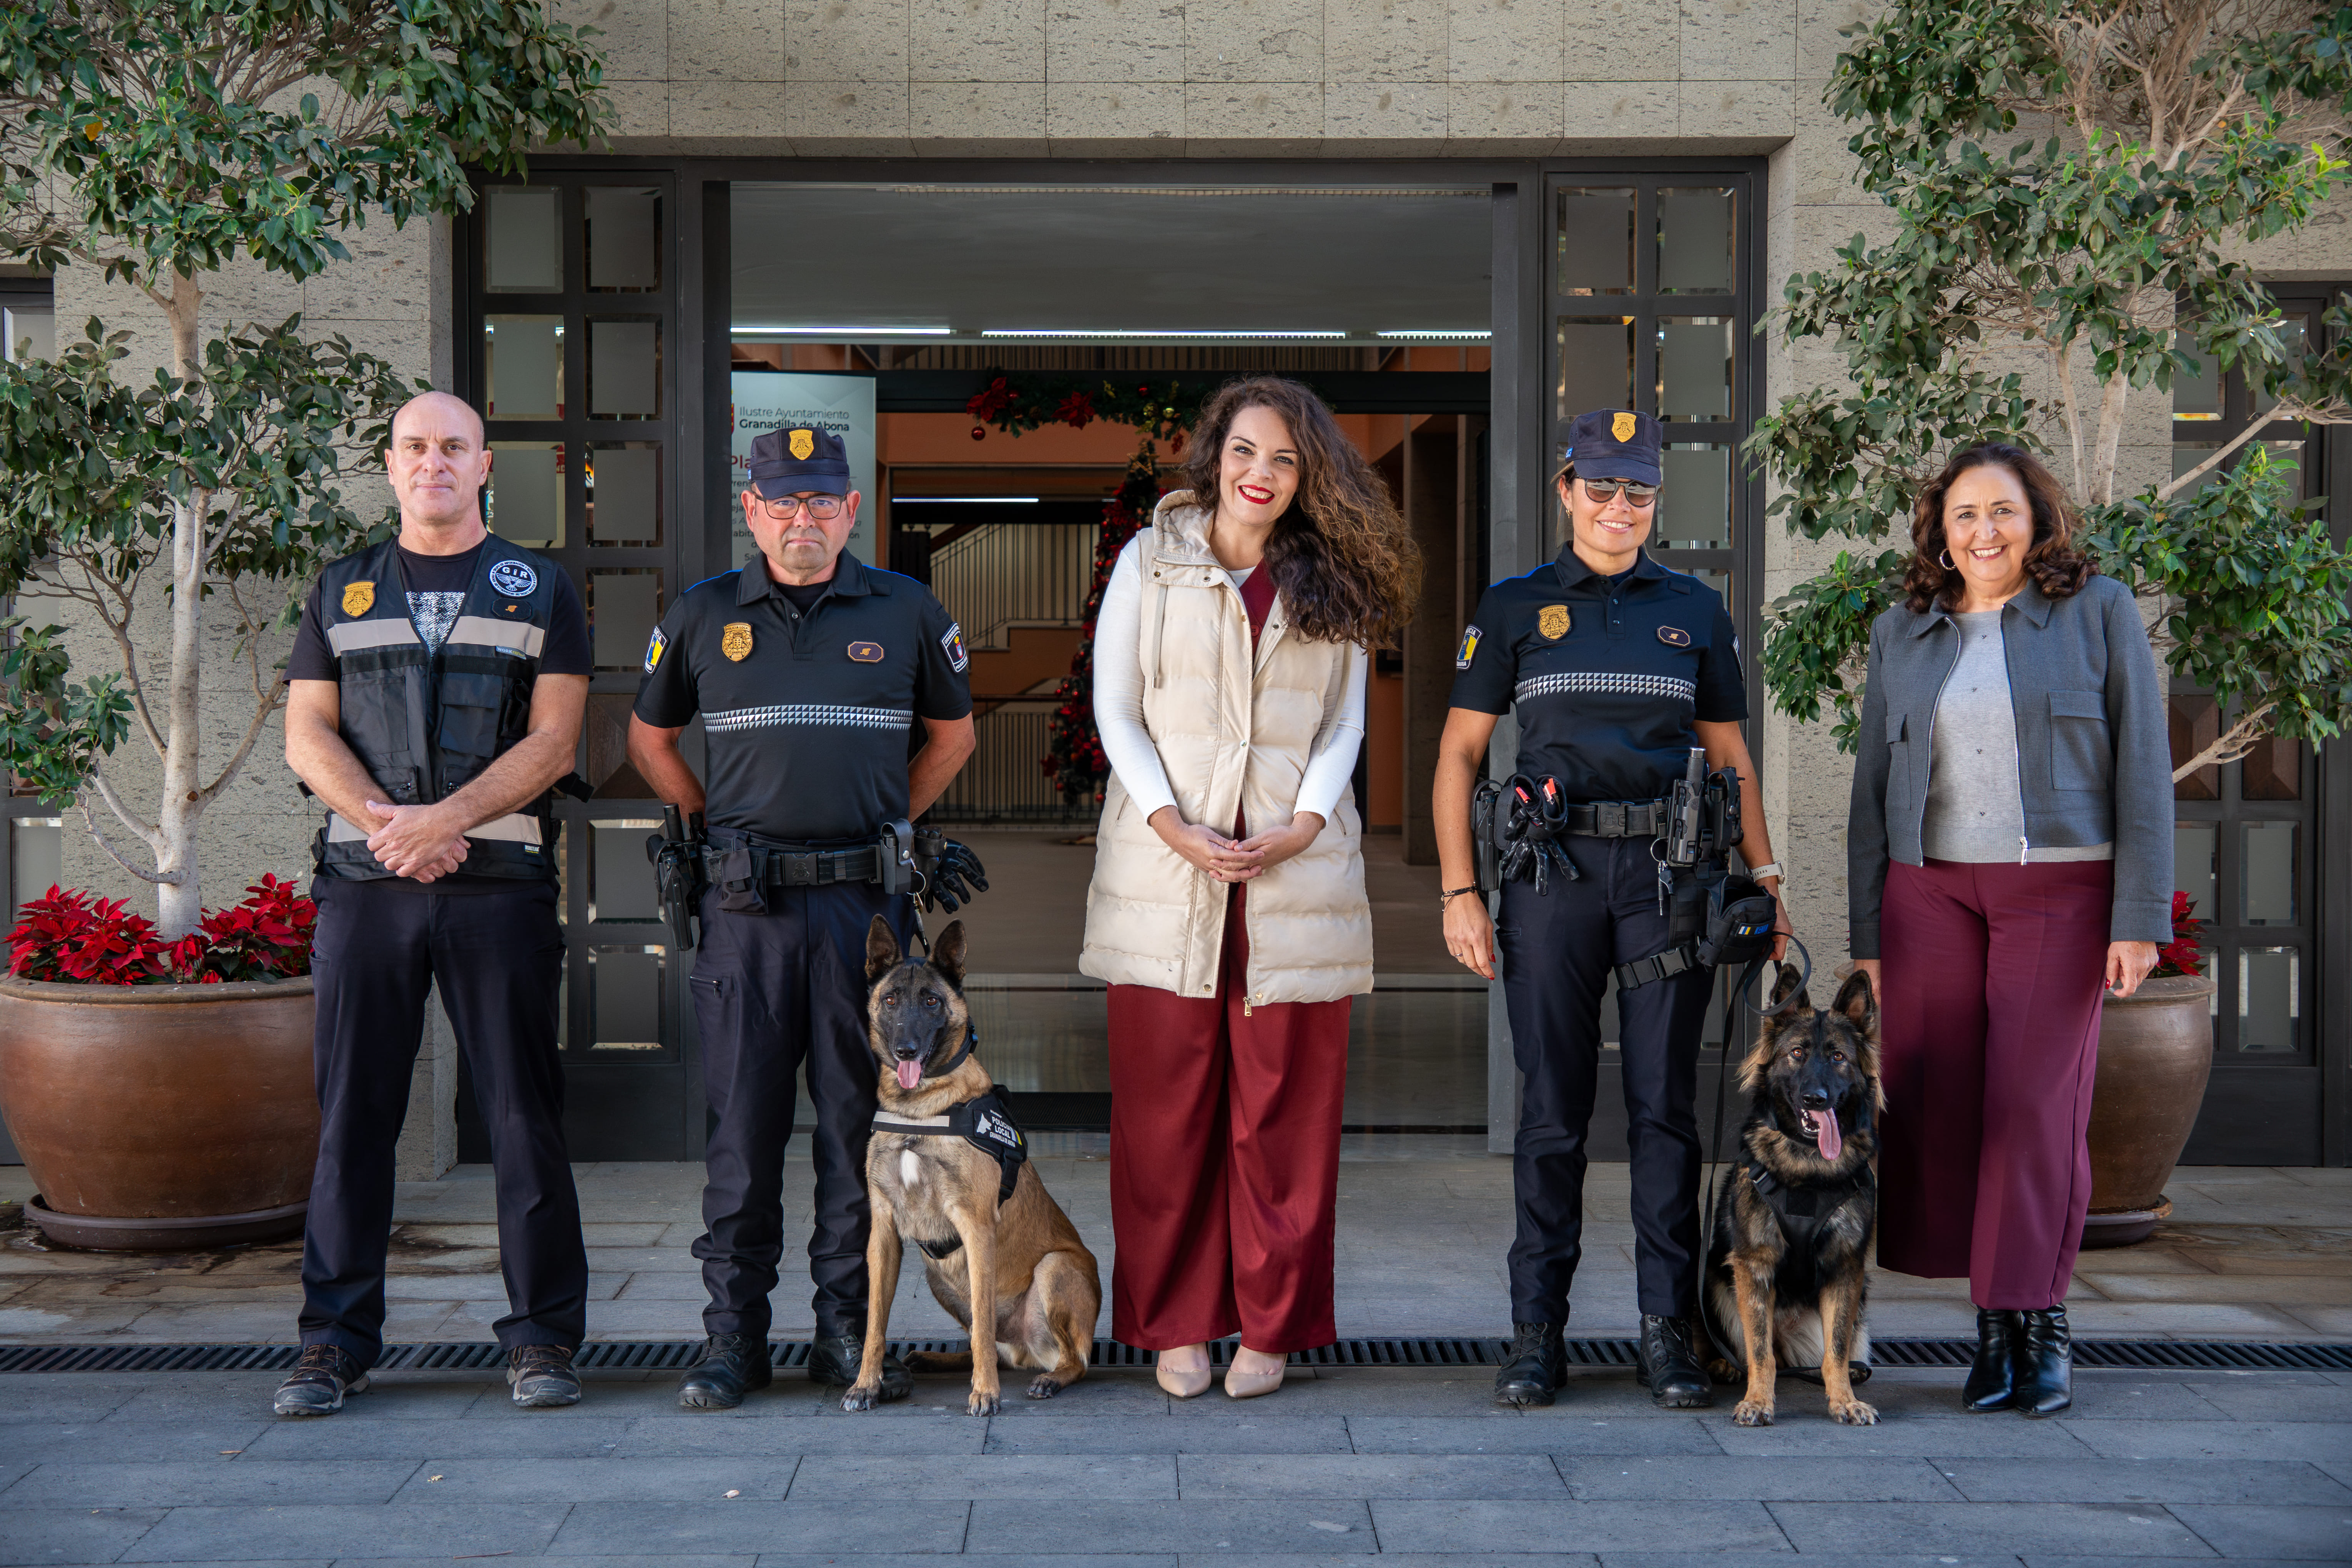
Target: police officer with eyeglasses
810,670
1619,669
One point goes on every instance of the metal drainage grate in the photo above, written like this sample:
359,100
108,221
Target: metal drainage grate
669,1355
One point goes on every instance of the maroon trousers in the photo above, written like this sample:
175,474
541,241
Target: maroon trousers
1990,1039
1225,1161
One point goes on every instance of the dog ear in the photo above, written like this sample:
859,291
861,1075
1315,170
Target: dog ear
1857,1001
1790,979
881,950
947,953
1758,1060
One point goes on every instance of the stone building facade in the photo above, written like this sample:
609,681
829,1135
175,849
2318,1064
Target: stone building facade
1211,90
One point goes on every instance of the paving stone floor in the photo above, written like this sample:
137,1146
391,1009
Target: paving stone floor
1416,1466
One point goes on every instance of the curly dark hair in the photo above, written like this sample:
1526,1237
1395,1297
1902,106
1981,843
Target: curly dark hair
1346,566
2057,568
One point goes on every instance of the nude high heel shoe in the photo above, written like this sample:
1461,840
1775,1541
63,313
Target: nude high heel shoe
1240,1385
1181,1385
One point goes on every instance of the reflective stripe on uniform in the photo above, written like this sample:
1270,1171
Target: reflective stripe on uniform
484,632
350,636
512,829
1582,685
821,715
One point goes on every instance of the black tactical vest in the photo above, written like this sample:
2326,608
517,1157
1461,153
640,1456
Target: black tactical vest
425,722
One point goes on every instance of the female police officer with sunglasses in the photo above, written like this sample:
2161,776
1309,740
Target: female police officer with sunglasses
1618,667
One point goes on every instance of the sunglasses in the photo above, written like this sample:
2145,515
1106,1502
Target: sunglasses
1605,491
824,509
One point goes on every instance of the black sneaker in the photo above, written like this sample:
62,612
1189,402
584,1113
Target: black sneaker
1536,1367
319,1382
542,1376
731,1367
835,1358
1669,1367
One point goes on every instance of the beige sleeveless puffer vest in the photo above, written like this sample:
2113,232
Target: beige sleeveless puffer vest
1230,747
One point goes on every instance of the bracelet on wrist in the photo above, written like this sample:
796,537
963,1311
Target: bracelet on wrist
1450,894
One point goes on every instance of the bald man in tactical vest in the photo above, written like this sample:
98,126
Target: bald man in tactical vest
436,693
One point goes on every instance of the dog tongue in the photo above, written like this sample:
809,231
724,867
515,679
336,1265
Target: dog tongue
910,1075
1826,1133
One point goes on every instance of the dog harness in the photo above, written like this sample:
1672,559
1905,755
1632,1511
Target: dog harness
1800,1210
985,1123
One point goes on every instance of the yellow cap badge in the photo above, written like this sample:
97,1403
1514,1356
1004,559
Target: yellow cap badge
735,640
1552,621
1623,426
802,442
359,598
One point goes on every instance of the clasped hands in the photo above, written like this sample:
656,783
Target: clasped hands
422,842
1234,860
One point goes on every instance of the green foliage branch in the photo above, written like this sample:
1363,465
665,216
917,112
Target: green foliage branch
156,143
2071,182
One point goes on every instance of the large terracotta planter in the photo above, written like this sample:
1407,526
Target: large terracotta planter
162,1117
2156,1049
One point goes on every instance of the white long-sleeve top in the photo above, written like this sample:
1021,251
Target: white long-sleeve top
1118,704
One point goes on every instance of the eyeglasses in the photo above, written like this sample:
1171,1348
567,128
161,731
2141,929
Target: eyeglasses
1606,490
823,509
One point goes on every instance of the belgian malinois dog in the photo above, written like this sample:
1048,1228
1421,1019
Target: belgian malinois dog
1787,1272
946,1171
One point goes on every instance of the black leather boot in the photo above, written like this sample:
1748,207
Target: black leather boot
2045,1361
835,1358
1992,1376
731,1367
1669,1368
1536,1367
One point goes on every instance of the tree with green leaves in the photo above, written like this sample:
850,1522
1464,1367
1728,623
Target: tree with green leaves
157,142
2071,185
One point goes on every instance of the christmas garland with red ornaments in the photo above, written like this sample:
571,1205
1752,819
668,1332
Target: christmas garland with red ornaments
1161,410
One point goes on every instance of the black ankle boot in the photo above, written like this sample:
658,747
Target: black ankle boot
1536,1367
1992,1376
1668,1366
2045,1361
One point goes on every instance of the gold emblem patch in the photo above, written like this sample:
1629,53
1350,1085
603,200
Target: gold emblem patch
802,442
1552,621
866,652
735,640
359,598
1623,426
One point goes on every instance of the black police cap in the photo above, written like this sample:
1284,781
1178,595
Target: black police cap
1615,444
799,459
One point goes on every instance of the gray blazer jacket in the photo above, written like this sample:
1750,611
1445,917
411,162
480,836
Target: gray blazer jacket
2095,760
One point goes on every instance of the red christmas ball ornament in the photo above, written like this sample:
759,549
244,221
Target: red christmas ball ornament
980,432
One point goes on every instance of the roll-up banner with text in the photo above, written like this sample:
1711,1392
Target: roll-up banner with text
841,402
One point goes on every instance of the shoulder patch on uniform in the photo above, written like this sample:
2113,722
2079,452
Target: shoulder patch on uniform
655,646
1553,621
359,598
735,640
515,579
952,640
1673,637
866,652
1469,648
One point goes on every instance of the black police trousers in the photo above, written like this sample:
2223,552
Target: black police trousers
1557,950
770,991
498,959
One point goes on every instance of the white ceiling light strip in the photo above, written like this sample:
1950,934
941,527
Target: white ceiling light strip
1420,335
1099,332
851,333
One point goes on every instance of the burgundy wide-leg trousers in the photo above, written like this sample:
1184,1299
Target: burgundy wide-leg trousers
1225,1161
1989,1041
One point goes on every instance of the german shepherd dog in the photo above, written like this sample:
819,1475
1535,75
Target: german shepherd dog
1011,1263
1787,1275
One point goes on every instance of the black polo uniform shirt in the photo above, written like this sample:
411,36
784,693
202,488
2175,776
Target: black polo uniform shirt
1608,673
807,713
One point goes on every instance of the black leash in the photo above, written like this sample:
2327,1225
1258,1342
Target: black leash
1739,990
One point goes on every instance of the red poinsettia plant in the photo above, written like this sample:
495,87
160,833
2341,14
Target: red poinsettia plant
2180,955
75,939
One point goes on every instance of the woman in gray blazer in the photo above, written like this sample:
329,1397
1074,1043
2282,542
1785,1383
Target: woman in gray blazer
2009,857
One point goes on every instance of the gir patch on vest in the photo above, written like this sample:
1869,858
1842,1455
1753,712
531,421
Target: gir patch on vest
359,598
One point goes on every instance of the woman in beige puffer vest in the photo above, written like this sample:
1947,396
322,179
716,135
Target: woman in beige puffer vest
1228,908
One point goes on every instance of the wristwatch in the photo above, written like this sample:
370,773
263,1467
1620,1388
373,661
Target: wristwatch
1769,869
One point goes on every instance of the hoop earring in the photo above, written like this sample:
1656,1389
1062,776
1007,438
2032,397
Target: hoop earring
1944,560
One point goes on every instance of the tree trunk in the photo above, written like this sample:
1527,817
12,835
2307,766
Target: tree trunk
179,899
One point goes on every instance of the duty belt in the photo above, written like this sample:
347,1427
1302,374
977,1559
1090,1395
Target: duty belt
783,868
1618,819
